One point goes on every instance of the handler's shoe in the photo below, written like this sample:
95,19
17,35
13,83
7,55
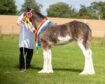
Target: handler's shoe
22,70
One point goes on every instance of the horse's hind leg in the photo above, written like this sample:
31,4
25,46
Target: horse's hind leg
47,63
88,67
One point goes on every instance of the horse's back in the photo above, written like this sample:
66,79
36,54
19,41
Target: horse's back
79,29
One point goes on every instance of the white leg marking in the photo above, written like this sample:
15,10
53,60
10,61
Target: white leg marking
47,65
49,62
88,68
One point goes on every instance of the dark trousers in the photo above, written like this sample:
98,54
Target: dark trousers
25,57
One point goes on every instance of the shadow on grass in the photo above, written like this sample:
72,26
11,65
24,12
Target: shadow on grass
59,69
67,69
55,69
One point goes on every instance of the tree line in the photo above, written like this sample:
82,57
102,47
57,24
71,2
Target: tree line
96,10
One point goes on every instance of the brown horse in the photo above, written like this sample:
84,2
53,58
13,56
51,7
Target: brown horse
53,34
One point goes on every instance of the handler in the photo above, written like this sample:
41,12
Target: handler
26,43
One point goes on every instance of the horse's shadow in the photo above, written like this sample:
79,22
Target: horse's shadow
55,69
59,69
67,69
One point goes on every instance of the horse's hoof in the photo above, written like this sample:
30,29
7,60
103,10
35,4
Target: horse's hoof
87,73
51,71
43,71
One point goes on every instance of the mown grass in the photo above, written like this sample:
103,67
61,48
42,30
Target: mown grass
68,62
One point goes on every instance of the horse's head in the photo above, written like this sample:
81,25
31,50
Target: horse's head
34,17
26,19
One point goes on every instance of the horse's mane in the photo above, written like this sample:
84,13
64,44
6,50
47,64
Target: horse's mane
36,12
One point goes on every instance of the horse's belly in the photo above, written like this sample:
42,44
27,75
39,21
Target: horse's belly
63,40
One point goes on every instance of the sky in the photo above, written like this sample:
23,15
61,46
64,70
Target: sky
45,3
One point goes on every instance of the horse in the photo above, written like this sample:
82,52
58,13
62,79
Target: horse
57,34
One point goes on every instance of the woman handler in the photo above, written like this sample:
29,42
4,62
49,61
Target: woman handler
26,43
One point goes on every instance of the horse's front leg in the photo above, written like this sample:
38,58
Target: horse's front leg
47,63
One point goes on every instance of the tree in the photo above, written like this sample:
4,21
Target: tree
59,10
99,9
84,12
7,7
31,4
95,11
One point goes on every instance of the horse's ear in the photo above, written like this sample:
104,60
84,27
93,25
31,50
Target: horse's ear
27,9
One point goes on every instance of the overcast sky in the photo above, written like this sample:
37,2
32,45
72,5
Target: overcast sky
45,3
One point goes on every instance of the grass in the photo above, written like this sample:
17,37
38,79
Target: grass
68,62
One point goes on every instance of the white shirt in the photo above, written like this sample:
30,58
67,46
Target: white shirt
26,36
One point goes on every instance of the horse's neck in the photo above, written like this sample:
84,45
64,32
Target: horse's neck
38,21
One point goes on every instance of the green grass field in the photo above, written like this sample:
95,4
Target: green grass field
68,62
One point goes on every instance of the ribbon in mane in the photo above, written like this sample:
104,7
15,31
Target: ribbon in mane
29,14
40,29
